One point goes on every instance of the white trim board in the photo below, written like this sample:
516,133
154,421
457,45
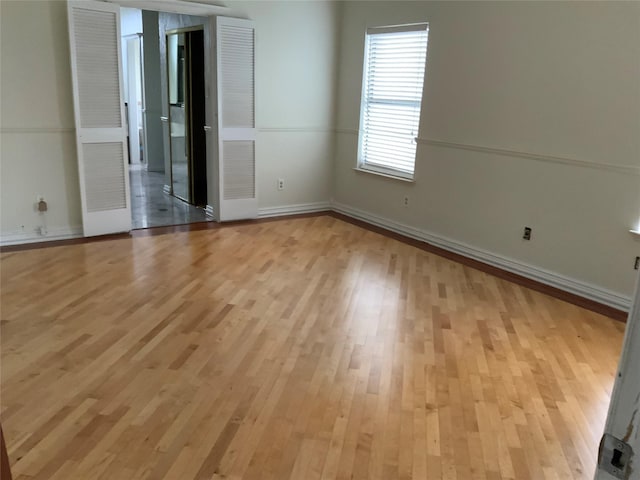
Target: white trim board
294,209
21,237
65,233
296,130
546,277
624,169
36,130
184,7
570,285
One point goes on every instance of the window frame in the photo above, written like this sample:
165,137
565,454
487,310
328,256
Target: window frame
361,164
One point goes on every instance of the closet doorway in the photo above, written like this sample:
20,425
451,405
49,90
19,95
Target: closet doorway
111,204
186,84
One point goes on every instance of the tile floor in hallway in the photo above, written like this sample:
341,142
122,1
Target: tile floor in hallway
151,207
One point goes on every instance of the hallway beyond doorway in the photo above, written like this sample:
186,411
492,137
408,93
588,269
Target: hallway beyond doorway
151,207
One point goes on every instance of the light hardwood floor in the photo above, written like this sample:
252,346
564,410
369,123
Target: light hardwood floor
303,349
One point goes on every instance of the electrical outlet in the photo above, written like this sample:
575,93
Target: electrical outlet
527,233
281,184
40,205
406,201
636,263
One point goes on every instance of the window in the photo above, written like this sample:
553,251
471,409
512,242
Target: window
394,65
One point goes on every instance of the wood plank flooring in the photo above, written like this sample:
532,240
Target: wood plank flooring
296,349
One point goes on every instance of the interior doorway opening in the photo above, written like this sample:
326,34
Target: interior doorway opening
101,129
167,158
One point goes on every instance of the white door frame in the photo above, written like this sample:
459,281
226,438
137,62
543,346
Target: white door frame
623,420
134,69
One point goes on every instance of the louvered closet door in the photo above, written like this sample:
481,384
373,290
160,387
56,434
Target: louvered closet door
235,47
94,32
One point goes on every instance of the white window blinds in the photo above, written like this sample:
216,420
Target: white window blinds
394,67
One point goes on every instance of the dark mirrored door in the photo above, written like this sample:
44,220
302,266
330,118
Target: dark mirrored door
178,115
185,71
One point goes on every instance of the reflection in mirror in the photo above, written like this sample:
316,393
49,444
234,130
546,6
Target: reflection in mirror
178,115
176,66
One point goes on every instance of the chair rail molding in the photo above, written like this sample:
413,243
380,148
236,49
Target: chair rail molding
622,169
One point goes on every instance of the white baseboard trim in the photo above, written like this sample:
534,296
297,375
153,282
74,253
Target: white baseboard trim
576,287
294,209
567,284
61,233
209,211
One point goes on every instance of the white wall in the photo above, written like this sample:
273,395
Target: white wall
130,23
556,79
295,81
38,153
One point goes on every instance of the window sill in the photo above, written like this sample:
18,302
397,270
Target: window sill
387,175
